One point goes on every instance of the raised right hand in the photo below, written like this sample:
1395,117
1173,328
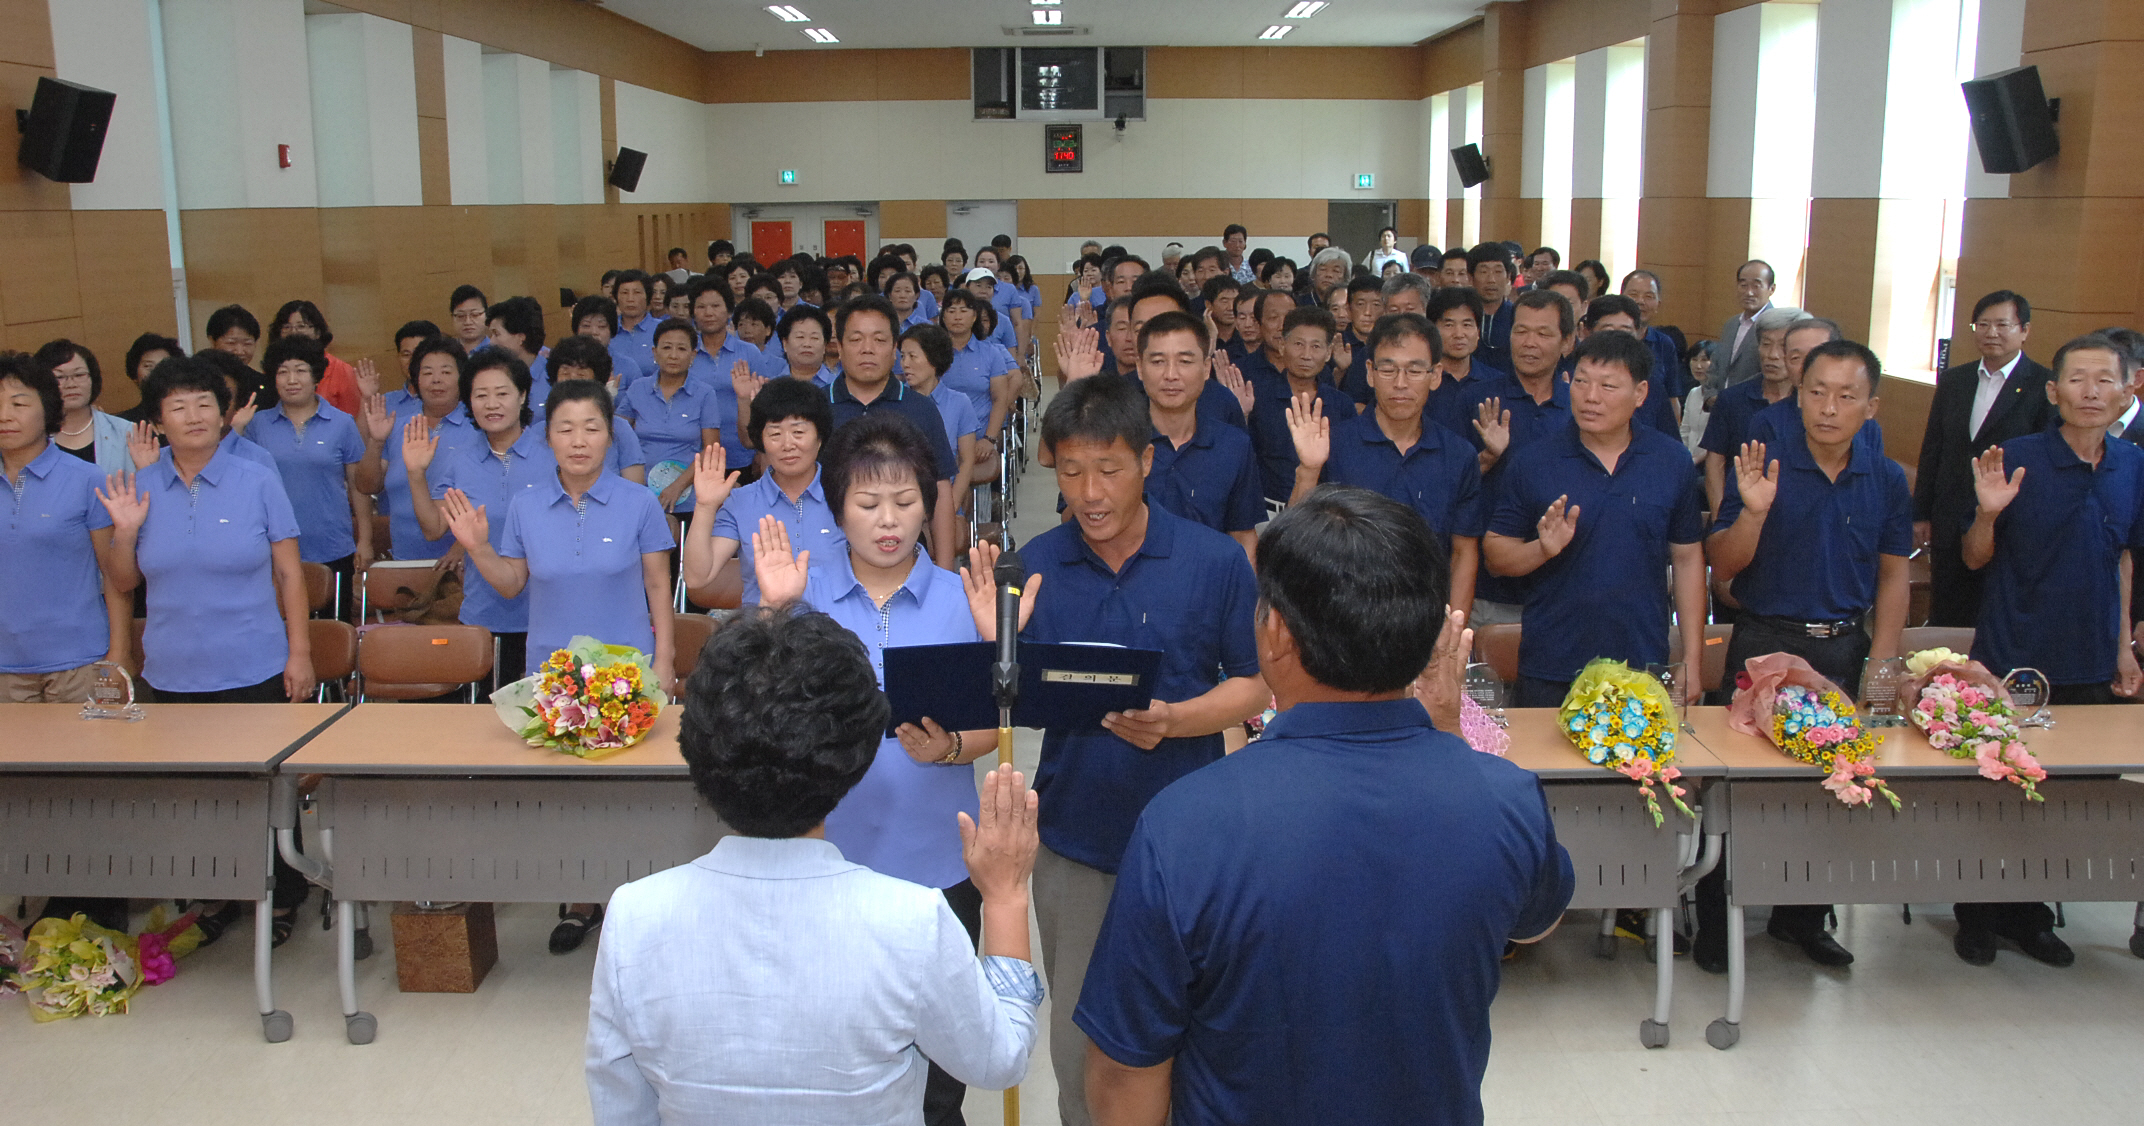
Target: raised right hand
378,421
711,480
1993,490
127,505
1079,354
368,379
1557,526
1757,482
1493,423
1000,850
781,575
1231,378
1311,430
142,449
744,383
980,579
469,523
419,443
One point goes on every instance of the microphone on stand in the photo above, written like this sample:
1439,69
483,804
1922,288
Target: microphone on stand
1005,674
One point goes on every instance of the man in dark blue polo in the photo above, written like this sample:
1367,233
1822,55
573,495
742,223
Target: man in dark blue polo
1395,450
1125,572
1596,514
1309,931
1510,411
1151,296
867,327
1489,269
1203,470
1455,312
1365,303
1813,535
1306,338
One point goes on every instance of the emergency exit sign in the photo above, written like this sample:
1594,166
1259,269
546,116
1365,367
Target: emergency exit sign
1365,181
787,177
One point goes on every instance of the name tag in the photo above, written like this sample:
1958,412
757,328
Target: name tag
1111,679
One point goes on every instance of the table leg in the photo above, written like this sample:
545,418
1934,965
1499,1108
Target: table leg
1653,1033
358,1025
275,1023
1604,942
1724,1032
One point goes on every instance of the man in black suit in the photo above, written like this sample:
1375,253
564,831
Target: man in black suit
2000,396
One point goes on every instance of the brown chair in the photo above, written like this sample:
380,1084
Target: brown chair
1499,647
725,592
389,586
689,634
1913,639
383,537
1712,666
319,586
401,662
1920,584
334,655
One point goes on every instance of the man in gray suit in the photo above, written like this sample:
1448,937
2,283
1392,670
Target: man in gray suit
1736,358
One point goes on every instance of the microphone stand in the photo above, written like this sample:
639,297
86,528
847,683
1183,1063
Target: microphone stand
1005,686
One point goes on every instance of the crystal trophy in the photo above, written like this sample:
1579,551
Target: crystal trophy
111,695
1487,691
1671,678
2030,692
1880,681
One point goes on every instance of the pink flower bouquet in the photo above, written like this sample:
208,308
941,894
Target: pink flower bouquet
1813,721
1965,714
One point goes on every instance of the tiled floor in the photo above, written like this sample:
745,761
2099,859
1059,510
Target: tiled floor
1910,1034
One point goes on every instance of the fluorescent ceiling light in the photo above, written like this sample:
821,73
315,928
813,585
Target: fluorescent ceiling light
1048,17
1045,3
820,35
1305,9
788,13
1276,31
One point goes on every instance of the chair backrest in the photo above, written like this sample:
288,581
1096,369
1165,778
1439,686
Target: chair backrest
690,633
1499,647
383,534
319,585
403,662
334,650
1712,664
1913,639
724,592
389,586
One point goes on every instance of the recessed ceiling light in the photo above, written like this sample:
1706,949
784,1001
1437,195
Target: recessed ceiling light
1305,9
1045,3
1276,31
820,35
787,13
1049,17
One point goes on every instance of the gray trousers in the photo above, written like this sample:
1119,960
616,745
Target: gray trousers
1070,899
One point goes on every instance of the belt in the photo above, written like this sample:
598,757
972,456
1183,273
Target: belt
1810,629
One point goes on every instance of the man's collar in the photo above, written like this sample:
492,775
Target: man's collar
893,390
1159,541
765,858
2003,371
1311,721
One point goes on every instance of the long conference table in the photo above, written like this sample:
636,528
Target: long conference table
442,803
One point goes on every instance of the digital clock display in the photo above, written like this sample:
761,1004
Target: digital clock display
1061,148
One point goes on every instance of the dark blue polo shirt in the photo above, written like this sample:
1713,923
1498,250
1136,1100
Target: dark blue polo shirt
1773,423
1606,595
1668,370
1211,480
1727,427
1530,422
1495,347
1312,927
1269,426
1439,478
1215,401
1356,379
1816,558
915,406
1448,403
2053,594
1188,592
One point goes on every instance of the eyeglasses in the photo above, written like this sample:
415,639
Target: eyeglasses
1996,326
1411,371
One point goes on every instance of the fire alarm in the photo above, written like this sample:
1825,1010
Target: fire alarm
282,156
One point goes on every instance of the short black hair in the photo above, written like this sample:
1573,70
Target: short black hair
937,345
1364,283
1447,298
878,445
719,247
233,316
1219,284
1771,276
1546,298
1571,278
753,309
594,305
250,386
1394,327
519,316
463,294
1175,320
442,345
1272,266
1159,283
800,315
493,359
579,351
1489,252
1608,305
1849,350
418,329
783,717
2129,338
304,349
791,398
705,284
625,276
1617,348
2005,297
38,378
57,352
674,324
1098,410
2124,358
182,374
1555,257
934,270
1234,229
150,342
306,311
869,303
1258,304
1361,583
577,391
1316,316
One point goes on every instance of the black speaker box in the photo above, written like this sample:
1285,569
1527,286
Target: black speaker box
1473,167
625,171
63,132
2012,123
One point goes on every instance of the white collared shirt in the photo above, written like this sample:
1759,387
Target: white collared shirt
1991,385
1742,330
2129,418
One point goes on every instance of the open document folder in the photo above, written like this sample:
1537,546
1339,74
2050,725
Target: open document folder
1072,685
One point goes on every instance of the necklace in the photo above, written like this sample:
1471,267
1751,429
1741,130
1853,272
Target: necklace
81,429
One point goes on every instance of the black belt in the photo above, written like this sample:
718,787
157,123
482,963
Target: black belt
1808,629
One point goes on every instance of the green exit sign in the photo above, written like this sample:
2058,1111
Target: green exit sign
1365,181
787,177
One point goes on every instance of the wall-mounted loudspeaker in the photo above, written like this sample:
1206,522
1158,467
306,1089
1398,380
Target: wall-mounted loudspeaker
1473,166
625,171
2013,122
63,130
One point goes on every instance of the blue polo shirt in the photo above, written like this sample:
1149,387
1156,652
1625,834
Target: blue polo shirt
495,482
811,524
455,431
974,366
1530,422
713,371
1269,426
1211,480
1312,928
52,614
313,463
959,414
901,819
1816,558
1495,347
1727,427
669,426
775,365
1188,592
1605,595
1356,379
584,563
1448,403
1215,401
639,342
624,452
2053,594
1658,409
1439,477
1771,423
1669,376
630,361
241,446
205,554
907,402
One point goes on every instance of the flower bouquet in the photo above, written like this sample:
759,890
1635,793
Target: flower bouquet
12,957
77,967
588,700
1962,708
1625,720
1813,721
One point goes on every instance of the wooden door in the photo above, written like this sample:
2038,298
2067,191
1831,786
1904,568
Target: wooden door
845,237
771,241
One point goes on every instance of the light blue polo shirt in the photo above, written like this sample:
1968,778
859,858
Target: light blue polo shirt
455,431
810,523
51,593
313,462
494,483
584,563
669,427
205,552
974,366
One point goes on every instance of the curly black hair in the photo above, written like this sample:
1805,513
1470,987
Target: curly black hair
783,716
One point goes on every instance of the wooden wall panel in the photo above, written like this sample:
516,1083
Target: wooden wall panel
1152,218
1451,60
28,37
860,75
1411,218
1726,248
1585,232
910,219
1842,257
1284,72
1560,29
122,261
257,257
1902,409
2065,23
39,281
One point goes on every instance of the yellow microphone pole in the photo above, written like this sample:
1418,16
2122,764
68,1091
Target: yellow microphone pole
1005,685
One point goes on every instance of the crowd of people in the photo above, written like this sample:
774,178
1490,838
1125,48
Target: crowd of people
1301,486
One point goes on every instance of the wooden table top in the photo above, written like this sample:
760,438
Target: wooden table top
405,739
1539,746
2107,739
182,738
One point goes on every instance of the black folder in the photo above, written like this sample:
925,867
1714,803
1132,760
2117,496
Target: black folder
1061,686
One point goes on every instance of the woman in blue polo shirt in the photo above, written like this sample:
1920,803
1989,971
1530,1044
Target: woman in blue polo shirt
511,460
926,353
790,421
982,370
901,819
906,293
673,414
804,332
583,357
434,391
316,449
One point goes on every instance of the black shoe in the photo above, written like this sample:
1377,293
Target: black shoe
1977,947
573,929
1709,960
281,927
1821,947
2043,946
213,926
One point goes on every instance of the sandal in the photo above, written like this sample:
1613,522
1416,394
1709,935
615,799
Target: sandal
213,926
281,926
573,928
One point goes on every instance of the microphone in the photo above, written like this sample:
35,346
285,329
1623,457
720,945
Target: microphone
1005,674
